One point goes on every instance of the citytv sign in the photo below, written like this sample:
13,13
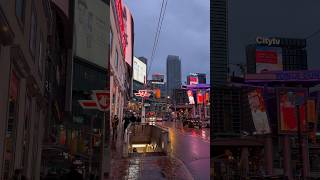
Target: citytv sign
267,41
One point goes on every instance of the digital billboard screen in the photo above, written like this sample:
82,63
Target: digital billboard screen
258,111
194,80
190,96
128,30
268,59
288,121
91,31
139,70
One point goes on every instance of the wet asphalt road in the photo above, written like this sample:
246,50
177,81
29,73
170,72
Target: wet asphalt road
192,147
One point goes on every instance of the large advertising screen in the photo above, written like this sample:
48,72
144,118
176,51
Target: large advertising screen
194,80
92,24
128,29
288,121
139,70
258,112
190,96
268,59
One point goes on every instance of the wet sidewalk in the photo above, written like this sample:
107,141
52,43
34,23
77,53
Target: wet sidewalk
149,167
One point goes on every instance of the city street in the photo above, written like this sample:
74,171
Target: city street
191,146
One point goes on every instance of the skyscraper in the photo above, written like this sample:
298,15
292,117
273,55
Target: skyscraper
219,42
173,73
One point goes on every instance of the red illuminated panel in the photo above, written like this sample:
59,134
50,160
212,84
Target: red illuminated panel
288,114
121,25
200,98
269,57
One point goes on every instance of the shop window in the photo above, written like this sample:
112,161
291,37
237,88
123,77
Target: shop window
11,125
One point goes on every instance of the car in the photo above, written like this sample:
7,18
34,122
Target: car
159,119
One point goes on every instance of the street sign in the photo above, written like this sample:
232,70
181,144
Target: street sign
100,100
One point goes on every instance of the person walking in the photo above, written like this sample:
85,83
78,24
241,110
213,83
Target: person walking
115,123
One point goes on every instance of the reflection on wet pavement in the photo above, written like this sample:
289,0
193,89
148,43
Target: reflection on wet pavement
149,168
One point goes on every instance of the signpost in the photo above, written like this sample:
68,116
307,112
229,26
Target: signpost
100,101
143,94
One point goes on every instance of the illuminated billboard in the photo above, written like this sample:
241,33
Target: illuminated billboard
258,112
268,59
193,80
139,70
288,122
119,10
91,32
190,96
128,30
200,97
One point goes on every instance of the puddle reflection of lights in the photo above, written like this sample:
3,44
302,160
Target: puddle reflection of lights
193,133
203,134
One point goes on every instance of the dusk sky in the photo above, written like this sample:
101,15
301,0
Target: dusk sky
185,33
285,18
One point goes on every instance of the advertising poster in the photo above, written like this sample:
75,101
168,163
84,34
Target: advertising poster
288,121
191,98
268,59
194,80
139,70
258,112
199,97
91,35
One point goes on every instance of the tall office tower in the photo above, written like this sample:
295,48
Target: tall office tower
218,42
173,74
219,64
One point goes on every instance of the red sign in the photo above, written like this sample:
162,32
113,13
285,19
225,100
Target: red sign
142,93
288,119
193,80
269,57
100,100
200,97
119,8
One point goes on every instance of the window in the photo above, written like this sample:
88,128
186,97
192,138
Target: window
33,30
20,10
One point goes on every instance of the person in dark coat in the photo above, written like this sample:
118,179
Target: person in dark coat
133,118
73,175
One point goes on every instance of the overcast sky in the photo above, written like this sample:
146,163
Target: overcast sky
282,18
185,33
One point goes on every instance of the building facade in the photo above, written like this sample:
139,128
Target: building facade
173,74
23,106
287,53
219,42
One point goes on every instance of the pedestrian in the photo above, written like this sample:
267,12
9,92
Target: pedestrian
115,123
133,118
126,122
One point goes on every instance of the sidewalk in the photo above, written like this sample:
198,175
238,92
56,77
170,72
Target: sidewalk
146,168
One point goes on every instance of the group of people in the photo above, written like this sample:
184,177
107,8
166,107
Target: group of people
127,120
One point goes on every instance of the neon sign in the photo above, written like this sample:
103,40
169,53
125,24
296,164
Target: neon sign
121,26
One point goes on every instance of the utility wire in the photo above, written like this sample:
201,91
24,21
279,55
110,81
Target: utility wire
159,27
